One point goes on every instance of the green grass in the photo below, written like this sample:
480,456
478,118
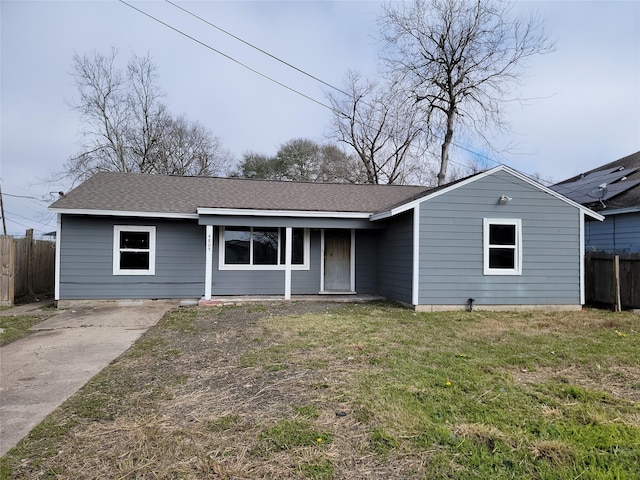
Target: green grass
287,434
446,381
356,391
16,327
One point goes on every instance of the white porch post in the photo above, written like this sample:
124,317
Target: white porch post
415,282
582,259
56,295
287,263
208,269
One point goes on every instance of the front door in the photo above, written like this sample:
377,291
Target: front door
337,260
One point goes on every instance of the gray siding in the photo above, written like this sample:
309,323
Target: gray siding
367,261
451,246
86,259
616,234
307,282
395,258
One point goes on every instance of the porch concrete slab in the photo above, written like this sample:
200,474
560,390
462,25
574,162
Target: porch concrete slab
239,300
39,372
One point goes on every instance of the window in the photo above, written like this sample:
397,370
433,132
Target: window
502,246
262,248
134,250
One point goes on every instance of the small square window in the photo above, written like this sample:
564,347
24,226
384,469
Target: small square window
134,250
502,246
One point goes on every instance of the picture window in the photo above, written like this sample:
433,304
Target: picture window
262,247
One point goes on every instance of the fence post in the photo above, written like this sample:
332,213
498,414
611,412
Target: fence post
7,267
616,276
30,268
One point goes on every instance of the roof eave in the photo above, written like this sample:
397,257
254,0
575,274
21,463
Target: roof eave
245,212
123,213
620,211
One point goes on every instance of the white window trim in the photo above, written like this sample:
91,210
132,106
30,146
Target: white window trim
116,249
223,266
517,270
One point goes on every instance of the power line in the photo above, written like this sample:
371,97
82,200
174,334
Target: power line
27,226
225,55
23,196
23,217
257,48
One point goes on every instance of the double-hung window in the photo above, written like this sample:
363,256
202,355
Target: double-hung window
134,250
502,246
262,248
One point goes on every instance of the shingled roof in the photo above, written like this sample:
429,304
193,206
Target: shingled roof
130,192
613,186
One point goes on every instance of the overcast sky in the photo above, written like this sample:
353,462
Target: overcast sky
587,111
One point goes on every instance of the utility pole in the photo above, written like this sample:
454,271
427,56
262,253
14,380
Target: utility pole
4,223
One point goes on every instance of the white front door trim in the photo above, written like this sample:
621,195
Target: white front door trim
352,262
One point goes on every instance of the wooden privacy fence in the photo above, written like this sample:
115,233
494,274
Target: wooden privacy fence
613,279
28,267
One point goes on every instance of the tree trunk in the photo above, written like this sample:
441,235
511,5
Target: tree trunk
444,157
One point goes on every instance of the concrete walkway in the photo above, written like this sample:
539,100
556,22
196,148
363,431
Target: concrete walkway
39,372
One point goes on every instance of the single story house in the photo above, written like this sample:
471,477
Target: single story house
613,190
494,240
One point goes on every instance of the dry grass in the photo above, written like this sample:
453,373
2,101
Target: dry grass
315,391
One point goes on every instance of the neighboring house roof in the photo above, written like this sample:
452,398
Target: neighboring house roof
183,196
608,188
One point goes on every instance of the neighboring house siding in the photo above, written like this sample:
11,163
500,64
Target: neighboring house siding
86,259
616,234
395,258
367,261
451,246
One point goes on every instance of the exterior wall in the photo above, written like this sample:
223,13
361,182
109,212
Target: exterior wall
86,260
616,234
307,282
367,261
395,258
451,246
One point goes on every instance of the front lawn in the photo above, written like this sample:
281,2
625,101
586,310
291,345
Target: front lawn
323,391
15,327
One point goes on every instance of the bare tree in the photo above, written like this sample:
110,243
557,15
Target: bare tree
380,126
127,127
458,59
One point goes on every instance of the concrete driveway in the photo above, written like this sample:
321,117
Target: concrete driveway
39,372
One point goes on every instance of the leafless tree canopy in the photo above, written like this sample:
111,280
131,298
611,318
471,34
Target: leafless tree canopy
382,128
127,127
457,61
